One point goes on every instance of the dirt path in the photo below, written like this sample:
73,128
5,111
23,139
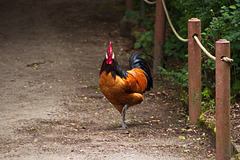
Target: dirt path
51,107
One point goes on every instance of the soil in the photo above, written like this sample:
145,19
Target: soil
51,106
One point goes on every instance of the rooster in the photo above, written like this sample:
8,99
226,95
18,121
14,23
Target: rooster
124,88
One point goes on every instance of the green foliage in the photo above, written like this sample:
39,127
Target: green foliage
206,93
219,20
227,26
174,47
235,88
130,14
144,40
183,137
207,101
208,79
178,79
145,37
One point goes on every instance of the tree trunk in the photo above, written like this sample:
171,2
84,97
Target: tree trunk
129,4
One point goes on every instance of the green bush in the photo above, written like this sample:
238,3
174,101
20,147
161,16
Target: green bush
178,79
219,20
227,26
144,40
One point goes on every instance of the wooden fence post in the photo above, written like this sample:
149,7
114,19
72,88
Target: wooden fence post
159,36
194,70
223,145
129,4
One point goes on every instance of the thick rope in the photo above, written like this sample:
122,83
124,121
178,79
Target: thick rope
171,25
169,20
148,2
225,59
203,48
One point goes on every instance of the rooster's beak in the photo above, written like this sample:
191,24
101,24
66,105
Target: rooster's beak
109,58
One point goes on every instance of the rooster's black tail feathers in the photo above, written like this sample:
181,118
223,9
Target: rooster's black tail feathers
137,62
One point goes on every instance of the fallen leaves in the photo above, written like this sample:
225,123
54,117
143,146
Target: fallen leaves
36,64
183,137
156,94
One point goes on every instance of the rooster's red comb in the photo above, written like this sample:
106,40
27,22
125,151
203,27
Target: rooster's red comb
110,48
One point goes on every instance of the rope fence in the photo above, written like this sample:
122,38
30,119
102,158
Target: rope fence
148,2
171,25
203,48
225,59
169,20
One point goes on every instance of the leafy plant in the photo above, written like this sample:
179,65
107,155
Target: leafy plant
131,14
174,47
219,20
227,26
177,78
206,93
207,101
183,137
144,40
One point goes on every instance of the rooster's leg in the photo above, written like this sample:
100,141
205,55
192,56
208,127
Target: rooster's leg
125,107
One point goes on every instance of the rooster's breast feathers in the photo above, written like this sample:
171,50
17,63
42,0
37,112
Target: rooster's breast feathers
135,81
120,91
